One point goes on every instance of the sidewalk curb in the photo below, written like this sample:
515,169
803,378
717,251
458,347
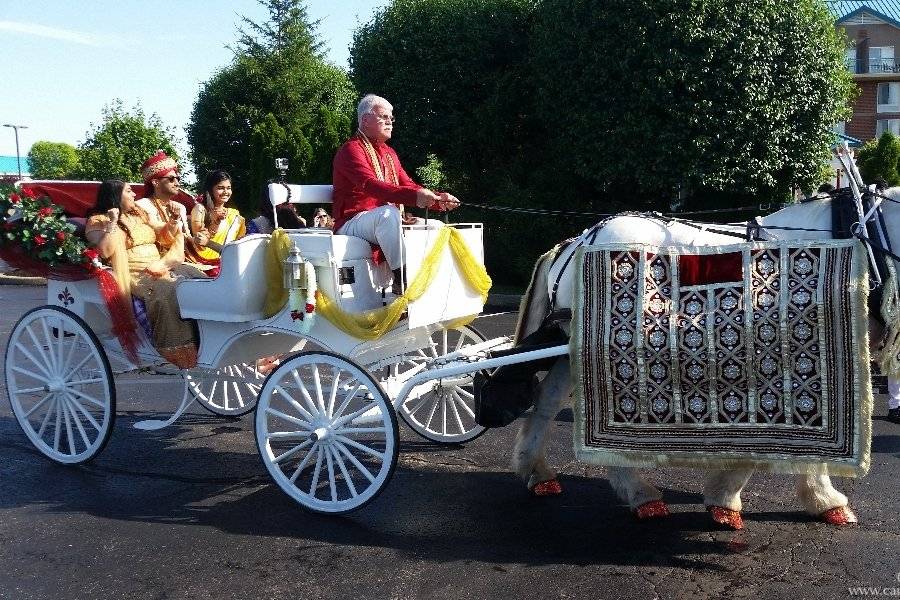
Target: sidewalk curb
510,301
6,279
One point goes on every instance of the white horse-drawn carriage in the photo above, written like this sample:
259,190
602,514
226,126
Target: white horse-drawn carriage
325,423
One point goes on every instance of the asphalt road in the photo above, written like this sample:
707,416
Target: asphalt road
189,512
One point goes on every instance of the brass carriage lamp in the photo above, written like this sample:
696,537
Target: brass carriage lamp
294,272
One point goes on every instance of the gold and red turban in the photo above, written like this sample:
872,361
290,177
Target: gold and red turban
157,166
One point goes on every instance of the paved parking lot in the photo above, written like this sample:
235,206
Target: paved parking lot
189,512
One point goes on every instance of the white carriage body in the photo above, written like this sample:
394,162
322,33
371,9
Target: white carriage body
229,309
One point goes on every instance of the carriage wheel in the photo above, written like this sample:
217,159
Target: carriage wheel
442,411
227,391
326,432
60,384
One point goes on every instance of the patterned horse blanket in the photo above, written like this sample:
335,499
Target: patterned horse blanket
747,355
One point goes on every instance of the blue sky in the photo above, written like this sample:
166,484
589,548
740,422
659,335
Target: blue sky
63,60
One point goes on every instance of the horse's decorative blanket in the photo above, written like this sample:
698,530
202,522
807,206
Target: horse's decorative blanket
749,355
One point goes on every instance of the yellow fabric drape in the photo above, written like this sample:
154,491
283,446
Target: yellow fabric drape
372,324
277,250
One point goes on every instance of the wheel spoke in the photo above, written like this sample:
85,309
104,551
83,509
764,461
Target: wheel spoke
317,447
346,401
84,437
57,429
431,416
293,402
425,399
452,403
460,342
359,466
465,393
64,366
39,404
349,418
30,356
463,403
316,472
85,381
30,374
46,420
81,363
304,392
356,430
292,452
317,387
336,373
331,483
343,468
286,417
90,399
69,435
359,446
443,415
49,341
289,435
84,411
237,392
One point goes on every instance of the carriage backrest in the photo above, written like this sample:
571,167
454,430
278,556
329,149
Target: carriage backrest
279,193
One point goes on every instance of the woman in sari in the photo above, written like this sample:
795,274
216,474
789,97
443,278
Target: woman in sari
210,215
127,239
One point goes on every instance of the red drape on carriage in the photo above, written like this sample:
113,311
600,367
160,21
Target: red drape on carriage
77,197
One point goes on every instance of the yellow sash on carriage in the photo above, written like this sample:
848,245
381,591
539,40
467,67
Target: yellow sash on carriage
372,324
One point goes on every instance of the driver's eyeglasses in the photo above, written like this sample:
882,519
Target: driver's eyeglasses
384,118
172,178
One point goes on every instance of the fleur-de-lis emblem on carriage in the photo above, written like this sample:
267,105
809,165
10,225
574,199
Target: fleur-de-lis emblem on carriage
65,297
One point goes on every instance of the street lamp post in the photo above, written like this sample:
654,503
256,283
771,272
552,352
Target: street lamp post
16,128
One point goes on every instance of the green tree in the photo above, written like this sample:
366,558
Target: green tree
53,160
878,159
278,98
649,95
121,142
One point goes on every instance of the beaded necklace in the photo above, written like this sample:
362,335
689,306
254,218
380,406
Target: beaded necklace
376,163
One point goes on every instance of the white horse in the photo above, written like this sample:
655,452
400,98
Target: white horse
722,492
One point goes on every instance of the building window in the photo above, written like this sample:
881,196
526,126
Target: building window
889,97
850,60
882,125
881,59
841,127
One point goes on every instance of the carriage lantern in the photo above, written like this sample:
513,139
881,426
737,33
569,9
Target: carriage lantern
293,270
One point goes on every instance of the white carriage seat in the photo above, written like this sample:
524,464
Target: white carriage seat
238,294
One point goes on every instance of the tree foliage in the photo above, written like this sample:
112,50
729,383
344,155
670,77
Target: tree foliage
121,142
53,160
278,98
605,105
878,159
704,93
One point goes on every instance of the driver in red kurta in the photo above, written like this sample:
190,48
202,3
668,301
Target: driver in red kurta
369,183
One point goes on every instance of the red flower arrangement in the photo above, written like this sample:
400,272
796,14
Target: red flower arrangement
36,228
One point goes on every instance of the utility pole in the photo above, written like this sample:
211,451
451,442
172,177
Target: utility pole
16,128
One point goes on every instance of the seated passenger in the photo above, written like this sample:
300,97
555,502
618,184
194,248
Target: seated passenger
160,175
322,219
265,222
127,238
210,216
370,183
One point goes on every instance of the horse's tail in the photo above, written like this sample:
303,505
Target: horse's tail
535,305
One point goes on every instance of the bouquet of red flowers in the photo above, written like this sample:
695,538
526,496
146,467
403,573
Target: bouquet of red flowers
34,227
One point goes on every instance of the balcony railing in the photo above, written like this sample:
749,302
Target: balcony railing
873,65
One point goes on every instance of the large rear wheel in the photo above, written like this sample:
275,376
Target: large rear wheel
442,411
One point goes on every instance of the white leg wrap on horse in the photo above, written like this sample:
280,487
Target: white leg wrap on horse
528,460
723,488
817,494
630,487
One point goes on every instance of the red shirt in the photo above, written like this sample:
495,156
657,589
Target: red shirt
357,187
